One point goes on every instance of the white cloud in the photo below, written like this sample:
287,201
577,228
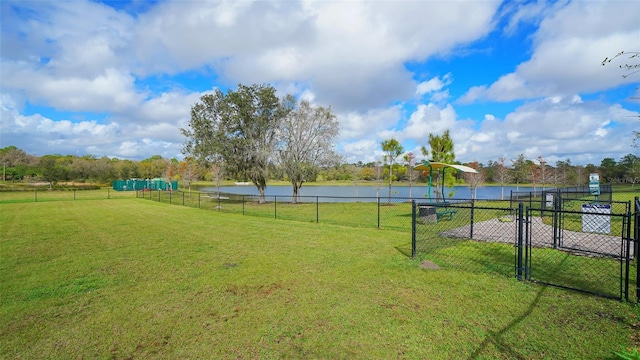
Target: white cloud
172,107
529,12
556,128
86,57
134,136
71,56
110,91
581,131
354,125
362,150
567,53
353,53
432,85
429,119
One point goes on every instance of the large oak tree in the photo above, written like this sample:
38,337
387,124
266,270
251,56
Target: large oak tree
240,127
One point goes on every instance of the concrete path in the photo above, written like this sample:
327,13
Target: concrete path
580,243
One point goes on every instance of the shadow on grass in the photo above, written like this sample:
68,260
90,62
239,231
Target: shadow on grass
404,249
494,258
495,338
490,260
597,275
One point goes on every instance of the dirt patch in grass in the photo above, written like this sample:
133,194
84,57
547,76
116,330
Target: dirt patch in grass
429,265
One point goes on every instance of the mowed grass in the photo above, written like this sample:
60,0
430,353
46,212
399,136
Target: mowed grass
43,195
129,278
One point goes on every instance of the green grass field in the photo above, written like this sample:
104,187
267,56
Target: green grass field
43,195
128,278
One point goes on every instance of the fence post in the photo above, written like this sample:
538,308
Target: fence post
275,207
183,198
108,193
35,191
627,251
636,232
170,196
158,195
317,210
242,204
413,228
199,200
510,199
636,240
378,212
219,206
520,219
557,206
473,202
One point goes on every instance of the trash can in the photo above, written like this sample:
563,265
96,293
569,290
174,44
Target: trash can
427,214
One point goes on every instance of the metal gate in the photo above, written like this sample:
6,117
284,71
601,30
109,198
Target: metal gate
581,245
589,251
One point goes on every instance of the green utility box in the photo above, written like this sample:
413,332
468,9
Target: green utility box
144,184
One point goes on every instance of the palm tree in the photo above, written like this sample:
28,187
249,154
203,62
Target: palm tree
393,149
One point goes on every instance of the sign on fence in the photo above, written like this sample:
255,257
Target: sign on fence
548,200
596,218
594,184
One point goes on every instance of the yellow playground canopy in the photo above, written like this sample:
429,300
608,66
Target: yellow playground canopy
437,166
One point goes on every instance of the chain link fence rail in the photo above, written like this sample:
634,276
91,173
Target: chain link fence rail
546,197
587,251
574,243
568,240
380,212
42,195
478,236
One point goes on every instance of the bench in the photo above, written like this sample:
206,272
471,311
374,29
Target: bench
445,213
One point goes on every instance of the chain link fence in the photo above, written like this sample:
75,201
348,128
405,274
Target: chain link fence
577,242
388,213
572,243
478,236
566,193
591,251
42,195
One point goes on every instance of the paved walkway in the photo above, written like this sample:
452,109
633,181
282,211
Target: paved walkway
580,243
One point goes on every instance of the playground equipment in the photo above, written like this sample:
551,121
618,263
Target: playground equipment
430,166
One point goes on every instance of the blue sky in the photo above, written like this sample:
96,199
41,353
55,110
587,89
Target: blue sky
118,78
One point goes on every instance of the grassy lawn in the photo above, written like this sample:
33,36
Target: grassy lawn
129,278
43,195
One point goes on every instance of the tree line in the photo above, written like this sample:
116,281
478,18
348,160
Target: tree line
18,166
251,135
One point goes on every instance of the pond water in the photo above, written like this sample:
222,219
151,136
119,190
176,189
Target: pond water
363,192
